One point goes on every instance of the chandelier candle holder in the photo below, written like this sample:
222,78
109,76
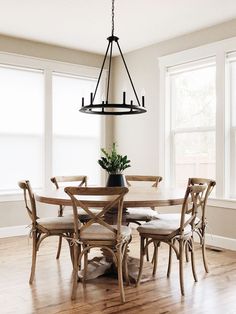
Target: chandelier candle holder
106,107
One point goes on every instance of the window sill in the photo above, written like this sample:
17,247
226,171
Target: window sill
11,197
222,203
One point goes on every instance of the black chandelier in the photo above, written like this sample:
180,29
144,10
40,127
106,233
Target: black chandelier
105,107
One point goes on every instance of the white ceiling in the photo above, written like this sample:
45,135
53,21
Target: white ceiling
85,24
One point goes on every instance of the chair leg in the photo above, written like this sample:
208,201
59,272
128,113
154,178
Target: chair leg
169,262
59,247
75,273
85,267
181,257
125,265
147,253
120,274
155,258
60,214
186,253
34,255
193,260
142,253
204,254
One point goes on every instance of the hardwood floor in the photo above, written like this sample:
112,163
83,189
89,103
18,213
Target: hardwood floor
51,290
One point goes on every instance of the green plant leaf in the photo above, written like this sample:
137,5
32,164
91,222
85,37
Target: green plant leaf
113,162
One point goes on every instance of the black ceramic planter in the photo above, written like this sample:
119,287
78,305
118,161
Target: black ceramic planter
115,180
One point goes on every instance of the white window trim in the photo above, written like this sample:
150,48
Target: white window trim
217,50
48,67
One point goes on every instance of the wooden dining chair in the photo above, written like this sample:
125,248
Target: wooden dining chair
139,214
97,232
200,223
41,228
176,233
62,181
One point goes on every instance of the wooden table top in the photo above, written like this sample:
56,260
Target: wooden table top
136,197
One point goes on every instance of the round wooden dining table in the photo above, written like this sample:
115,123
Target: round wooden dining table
136,197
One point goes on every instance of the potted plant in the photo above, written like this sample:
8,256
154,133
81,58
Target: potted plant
114,164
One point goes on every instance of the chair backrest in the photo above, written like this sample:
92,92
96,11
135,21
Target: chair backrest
137,178
81,180
105,198
29,200
193,197
209,184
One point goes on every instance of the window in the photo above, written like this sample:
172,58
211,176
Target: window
21,126
193,108
42,132
197,123
76,138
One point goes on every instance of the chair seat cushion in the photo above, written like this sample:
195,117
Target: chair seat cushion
57,223
163,226
99,232
141,214
175,216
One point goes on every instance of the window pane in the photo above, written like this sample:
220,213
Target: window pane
76,136
193,98
21,127
233,130
194,156
21,101
67,95
233,91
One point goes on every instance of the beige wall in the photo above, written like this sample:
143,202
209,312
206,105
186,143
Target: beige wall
142,131
45,51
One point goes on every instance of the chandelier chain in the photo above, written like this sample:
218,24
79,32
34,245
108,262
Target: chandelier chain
112,16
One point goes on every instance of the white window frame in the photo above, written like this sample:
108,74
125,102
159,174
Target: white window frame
219,51
173,130
48,67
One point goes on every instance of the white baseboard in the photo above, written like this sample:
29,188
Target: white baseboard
6,232
221,242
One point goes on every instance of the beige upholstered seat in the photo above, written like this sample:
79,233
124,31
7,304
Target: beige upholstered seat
140,214
98,232
174,216
164,226
56,223
102,233
177,233
44,227
62,181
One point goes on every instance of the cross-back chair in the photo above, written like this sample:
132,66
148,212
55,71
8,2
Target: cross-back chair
62,181
139,214
41,228
176,233
96,232
200,224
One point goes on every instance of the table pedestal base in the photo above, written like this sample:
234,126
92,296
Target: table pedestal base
99,266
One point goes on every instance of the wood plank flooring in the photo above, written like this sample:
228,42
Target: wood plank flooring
50,293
